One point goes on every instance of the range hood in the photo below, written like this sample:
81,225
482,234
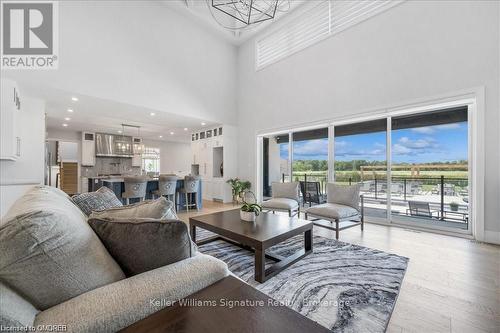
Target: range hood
109,145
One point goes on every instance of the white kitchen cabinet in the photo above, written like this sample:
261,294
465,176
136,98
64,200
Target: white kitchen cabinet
137,160
210,153
217,141
88,149
10,140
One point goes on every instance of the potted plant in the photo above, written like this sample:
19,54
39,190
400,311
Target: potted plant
238,188
235,188
249,211
454,206
245,186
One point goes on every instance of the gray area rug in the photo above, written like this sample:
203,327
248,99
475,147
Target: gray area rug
344,287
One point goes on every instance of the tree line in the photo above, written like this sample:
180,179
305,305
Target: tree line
354,165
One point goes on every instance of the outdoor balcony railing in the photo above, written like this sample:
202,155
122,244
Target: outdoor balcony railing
432,197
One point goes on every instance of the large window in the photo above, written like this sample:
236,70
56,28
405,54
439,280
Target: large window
310,164
320,20
422,180
430,182
151,159
360,157
275,162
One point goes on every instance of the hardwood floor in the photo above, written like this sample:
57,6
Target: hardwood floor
451,285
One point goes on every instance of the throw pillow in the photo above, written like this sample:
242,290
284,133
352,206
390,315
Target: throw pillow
99,200
160,208
53,255
140,245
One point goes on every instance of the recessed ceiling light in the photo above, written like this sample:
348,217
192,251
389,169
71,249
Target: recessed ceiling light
74,99
203,124
65,125
171,133
70,110
67,118
119,131
161,136
152,114
185,128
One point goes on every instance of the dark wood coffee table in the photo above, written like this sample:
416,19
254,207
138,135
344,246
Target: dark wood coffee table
255,312
268,230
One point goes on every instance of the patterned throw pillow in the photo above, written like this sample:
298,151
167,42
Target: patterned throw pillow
160,208
99,200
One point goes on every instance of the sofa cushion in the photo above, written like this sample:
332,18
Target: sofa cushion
140,245
285,190
120,304
50,254
101,199
160,208
332,211
343,194
15,311
280,203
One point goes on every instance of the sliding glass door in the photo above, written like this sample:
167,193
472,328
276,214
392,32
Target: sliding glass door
310,164
360,157
275,162
430,183
422,180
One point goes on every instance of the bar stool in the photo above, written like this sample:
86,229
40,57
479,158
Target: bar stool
167,187
190,189
135,188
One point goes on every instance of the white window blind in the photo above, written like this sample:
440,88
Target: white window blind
324,19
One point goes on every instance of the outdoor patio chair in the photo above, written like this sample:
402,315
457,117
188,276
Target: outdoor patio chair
367,186
311,192
285,198
421,209
344,209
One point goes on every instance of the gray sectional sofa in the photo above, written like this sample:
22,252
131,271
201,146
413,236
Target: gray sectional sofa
54,270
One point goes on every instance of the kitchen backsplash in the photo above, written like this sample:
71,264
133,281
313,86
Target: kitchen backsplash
111,165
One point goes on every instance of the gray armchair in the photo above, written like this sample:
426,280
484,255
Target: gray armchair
285,198
344,209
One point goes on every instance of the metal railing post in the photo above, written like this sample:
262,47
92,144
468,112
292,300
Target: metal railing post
442,197
376,187
404,187
283,177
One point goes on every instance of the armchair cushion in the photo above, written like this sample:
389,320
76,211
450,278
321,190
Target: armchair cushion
343,195
140,245
333,211
280,203
286,190
160,208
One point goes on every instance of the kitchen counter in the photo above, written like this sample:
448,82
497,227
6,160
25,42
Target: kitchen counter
117,185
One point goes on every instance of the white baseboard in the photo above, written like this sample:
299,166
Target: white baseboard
492,237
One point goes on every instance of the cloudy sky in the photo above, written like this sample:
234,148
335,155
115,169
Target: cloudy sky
438,143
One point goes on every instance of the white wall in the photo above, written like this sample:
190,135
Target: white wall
175,157
416,50
17,177
142,53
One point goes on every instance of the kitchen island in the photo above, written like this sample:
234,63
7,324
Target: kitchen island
117,185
